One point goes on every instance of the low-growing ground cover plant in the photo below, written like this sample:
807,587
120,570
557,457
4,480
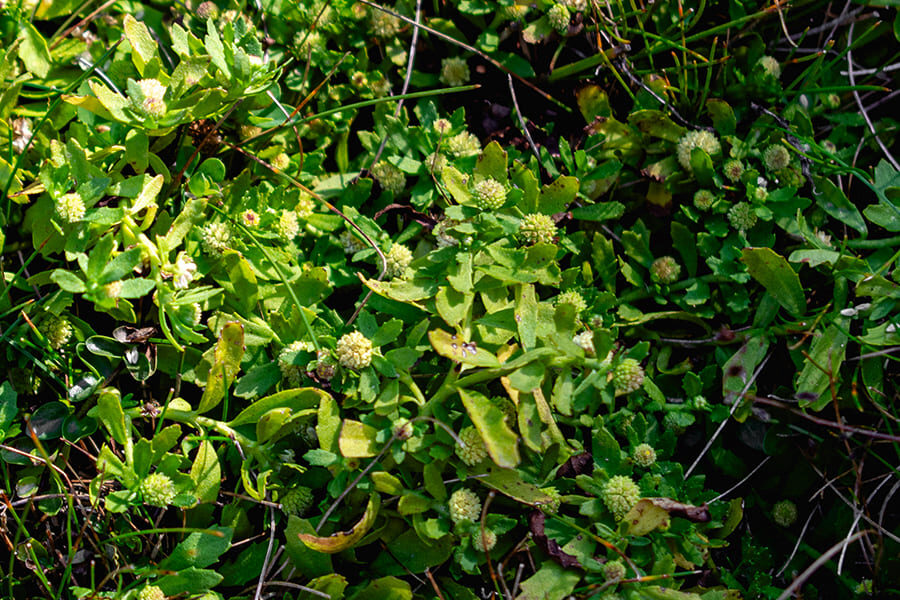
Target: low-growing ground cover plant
476,299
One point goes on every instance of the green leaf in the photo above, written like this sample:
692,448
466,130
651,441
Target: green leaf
189,581
551,582
453,347
502,444
556,196
199,549
835,202
135,288
656,124
8,407
602,211
306,560
722,116
225,365
410,552
510,483
190,215
69,282
824,362
295,399
206,473
342,540
332,584
216,50
33,50
109,411
358,440
456,183
526,316
492,163
774,273
143,47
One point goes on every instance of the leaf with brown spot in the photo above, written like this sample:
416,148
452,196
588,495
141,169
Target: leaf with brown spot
577,465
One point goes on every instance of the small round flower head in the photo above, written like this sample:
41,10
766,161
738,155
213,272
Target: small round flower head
441,126
181,271
248,131
665,270
435,162
558,17
585,341
770,66
620,494
398,259
291,372
472,450
702,139
152,592
741,216
306,206
158,490
350,243
485,542
70,207
250,218
699,402
673,422
536,228
464,506
153,104
354,350
703,199
208,10
383,25
281,161
489,194
776,157
324,366
463,144
381,87
215,237
288,226
390,177
57,330
454,71
551,507
831,101
297,500
644,455
628,376
733,169
113,289
614,570
784,513
575,299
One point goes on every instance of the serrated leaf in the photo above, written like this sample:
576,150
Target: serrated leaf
835,202
509,482
556,196
33,50
774,273
143,47
491,163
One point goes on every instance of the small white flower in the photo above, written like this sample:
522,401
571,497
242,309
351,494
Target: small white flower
182,271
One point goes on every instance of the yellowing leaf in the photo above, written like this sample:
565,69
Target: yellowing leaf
645,517
357,440
502,444
336,542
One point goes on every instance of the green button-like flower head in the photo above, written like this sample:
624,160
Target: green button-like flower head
70,207
354,350
741,216
57,330
536,228
472,450
398,259
733,169
614,570
776,157
704,199
702,139
644,455
215,238
558,16
575,299
464,506
620,494
489,194
454,71
390,177
151,592
784,513
628,376
665,270
158,490
485,542
297,500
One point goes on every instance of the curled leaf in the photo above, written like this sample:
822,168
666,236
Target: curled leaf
337,542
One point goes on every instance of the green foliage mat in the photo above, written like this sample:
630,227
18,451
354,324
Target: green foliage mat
469,299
